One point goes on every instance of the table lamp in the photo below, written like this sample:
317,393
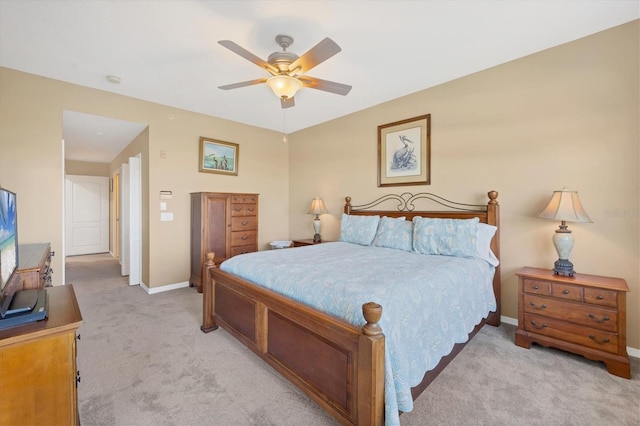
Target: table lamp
564,206
317,208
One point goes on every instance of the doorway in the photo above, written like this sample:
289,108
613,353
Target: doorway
91,146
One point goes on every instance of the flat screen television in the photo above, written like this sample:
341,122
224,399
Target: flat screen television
8,247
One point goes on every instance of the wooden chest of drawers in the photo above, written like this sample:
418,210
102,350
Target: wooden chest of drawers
583,314
38,372
223,223
35,265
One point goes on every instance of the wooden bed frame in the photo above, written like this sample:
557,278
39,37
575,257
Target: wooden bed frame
337,364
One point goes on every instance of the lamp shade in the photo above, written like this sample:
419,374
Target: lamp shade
284,86
565,206
317,207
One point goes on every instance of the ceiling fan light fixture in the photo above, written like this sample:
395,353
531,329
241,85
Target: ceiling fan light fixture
284,86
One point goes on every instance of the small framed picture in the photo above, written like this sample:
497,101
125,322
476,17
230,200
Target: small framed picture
404,152
219,157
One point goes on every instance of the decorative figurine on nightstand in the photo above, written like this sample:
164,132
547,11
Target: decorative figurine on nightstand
564,206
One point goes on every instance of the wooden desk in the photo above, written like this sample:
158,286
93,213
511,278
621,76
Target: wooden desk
38,366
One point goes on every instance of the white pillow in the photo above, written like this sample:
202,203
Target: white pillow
483,243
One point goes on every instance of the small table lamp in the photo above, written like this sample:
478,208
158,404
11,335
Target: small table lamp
564,206
317,208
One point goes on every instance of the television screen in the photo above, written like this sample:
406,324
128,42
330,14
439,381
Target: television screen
8,237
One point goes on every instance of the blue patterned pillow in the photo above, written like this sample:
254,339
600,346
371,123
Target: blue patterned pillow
358,229
449,237
394,233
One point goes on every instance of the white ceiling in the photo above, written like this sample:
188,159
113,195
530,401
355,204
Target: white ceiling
167,51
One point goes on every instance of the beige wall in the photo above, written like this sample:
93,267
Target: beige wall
31,164
567,116
85,168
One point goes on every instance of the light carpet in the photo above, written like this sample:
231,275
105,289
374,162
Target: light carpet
144,361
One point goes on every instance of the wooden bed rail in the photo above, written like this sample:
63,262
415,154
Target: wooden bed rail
337,364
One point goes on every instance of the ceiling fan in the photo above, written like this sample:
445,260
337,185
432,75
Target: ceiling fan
287,69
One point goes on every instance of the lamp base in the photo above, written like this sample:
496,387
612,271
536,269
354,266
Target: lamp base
316,238
563,267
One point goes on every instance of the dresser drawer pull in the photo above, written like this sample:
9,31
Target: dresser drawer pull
539,327
601,342
244,237
245,223
604,318
565,292
599,297
536,287
533,305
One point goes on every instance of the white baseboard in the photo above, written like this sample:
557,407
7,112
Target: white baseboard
163,288
514,321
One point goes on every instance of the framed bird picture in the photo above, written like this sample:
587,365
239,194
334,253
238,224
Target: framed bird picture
404,152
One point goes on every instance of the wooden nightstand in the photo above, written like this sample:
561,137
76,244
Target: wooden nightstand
583,314
307,242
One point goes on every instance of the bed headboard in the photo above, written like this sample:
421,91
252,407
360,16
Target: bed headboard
405,205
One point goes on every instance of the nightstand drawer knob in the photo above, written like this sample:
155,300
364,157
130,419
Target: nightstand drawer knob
604,318
600,297
601,342
533,305
535,325
565,292
536,287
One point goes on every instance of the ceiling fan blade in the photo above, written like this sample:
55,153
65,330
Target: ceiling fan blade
239,50
318,54
287,103
327,86
242,84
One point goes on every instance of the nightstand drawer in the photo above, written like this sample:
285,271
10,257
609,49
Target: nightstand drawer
598,296
537,287
566,291
572,333
581,314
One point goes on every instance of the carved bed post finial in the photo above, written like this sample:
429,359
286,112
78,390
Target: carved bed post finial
493,195
372,313
347,205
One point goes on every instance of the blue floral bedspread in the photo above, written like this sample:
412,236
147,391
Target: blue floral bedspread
429,303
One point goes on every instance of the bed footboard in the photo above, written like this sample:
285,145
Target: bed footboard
337,364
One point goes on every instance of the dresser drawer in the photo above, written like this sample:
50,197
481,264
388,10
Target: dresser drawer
252,199
537,287
243,249
244,209
581,314
573,333
598,296
243,238
244,223
566,291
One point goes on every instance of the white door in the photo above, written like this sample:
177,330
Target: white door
131,220
135,220
87,215
124,219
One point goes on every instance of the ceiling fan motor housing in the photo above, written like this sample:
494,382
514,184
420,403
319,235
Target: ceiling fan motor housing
282,60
